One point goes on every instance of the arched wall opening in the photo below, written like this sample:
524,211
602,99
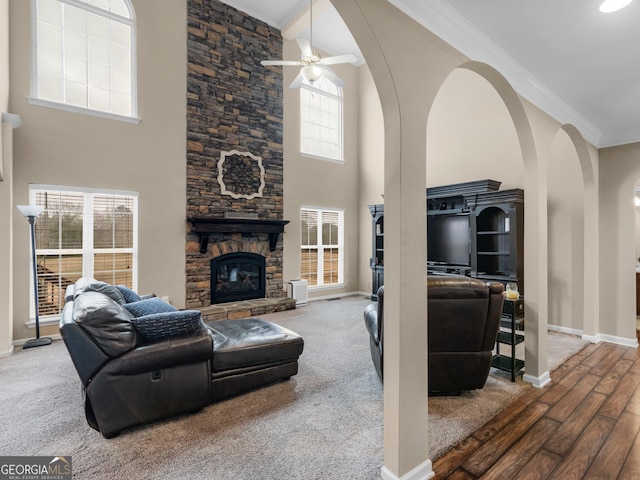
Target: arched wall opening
574,265
479,128
565,220
470,134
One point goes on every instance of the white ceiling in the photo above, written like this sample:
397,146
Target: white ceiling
575,63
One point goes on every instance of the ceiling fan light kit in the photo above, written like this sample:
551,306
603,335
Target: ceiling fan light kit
313,67
311,73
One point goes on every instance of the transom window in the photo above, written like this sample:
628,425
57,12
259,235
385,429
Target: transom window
83,57
322,257
321,120
83,233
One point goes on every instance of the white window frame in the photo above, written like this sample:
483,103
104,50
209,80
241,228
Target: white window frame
320,247
88,250
34,98
317,89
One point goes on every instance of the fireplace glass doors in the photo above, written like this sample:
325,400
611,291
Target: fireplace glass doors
237,276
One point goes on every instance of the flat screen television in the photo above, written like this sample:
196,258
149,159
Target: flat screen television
448,240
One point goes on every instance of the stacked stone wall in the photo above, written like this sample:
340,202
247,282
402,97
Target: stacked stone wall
233,103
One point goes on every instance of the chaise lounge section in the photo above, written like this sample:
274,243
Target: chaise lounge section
140,359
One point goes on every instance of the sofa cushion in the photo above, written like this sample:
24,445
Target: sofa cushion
159,326
105,288
251,341
128,294
149,306
106,322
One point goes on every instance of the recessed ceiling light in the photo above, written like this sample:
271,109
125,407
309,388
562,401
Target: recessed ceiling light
612,5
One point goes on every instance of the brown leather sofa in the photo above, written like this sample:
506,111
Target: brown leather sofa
140,359
464,319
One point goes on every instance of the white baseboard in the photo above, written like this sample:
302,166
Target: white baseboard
537,382
8,353
568,331
22,341
421,472
338,295
601,337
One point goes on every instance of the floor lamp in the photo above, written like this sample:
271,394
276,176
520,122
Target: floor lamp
31,212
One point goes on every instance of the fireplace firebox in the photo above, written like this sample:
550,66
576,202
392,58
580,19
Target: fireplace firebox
237,276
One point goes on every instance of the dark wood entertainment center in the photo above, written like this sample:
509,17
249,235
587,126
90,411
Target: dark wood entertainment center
473,229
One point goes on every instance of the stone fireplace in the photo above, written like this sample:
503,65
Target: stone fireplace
234,194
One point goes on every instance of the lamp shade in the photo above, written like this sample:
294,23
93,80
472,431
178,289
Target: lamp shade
30,210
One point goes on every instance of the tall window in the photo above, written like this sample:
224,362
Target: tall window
321,120
322,258
83,56
83,233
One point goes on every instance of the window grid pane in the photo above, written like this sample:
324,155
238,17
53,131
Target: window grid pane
309,266
113,268
84,56
55,273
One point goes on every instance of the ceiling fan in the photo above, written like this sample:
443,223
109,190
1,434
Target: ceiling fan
313,66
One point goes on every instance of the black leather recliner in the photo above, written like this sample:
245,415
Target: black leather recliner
463,323
138,369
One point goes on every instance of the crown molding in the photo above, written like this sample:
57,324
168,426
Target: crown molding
447,23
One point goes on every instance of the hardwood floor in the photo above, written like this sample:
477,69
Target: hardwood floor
584,425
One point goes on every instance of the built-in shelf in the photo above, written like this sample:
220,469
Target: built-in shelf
204,226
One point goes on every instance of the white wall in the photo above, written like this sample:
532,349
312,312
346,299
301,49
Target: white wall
319,183
6,192
565,209
69,149
470,135
619,172
371,171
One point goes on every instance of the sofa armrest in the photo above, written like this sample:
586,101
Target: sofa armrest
86,356
171,352
371,321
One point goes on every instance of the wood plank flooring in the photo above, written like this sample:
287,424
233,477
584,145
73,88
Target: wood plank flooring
584,425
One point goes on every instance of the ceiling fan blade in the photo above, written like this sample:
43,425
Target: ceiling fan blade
305,46
331,76
280,62
346,58
297,81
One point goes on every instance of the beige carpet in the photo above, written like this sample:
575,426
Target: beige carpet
325,423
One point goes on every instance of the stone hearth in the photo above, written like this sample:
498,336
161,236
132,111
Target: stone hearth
246,308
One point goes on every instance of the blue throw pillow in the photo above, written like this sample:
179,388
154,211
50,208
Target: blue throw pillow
160,326
128,294
149,306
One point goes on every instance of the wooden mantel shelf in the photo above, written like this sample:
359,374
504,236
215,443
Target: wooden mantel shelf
204,226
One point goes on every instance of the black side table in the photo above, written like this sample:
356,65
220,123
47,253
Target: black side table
512,319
